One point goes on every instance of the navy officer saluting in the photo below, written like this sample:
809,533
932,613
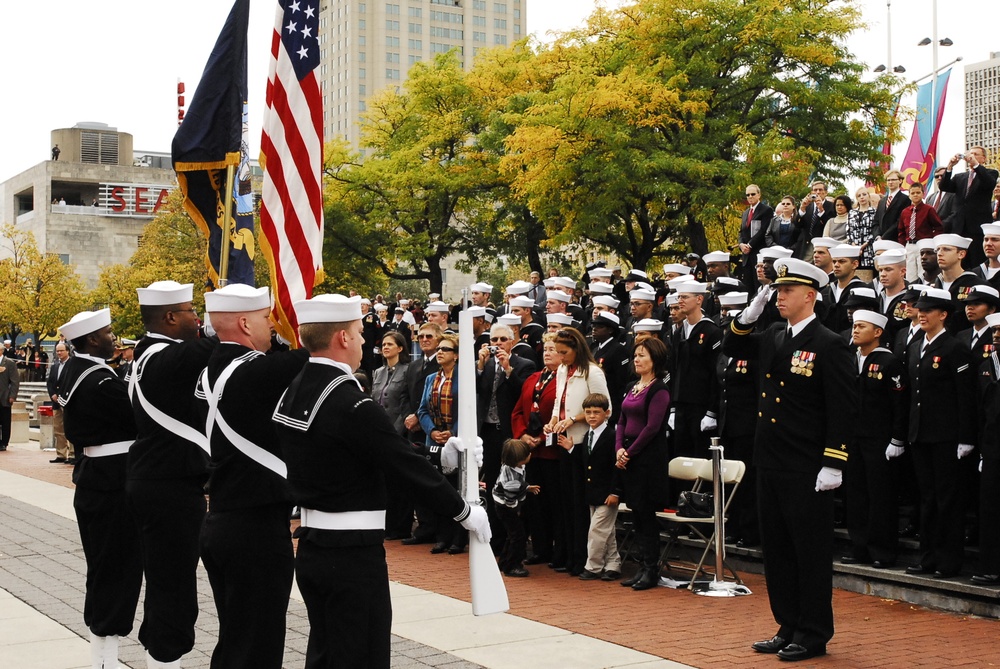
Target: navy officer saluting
804,424
339,447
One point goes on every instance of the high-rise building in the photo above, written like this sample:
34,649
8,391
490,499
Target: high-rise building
367,45
982,106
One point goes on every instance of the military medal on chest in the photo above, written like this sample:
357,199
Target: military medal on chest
937,361
987,350
741,366
963,293
803,363
873,372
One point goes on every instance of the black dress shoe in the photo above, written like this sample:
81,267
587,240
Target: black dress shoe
770,646
590,576
883,564
57,460
650,578
793,652
850,559
519,572
908,532
439,547
455,549
534,559
413,541
915,569
945,573
70,461
611,575
986,579
748,543
560,570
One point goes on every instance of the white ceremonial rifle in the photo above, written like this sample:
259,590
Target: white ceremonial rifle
489,595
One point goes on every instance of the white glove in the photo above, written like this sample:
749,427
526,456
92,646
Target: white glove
829,479
756,306
708,423
451,454
980,464
892,451
206,326
478,523
964,450
670,420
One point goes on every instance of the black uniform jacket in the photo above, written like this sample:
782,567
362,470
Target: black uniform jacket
807,401
168,378
97,413
694,375
613,358
248,400
959,290
339,446
989,401
883,399
942,394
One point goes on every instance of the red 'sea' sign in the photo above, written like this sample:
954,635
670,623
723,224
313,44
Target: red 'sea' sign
134,200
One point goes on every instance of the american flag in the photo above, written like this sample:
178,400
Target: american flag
291,216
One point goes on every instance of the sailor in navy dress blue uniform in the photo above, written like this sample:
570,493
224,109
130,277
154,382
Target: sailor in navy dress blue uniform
339,446
988,571
99,423
805,412
246,543
168,467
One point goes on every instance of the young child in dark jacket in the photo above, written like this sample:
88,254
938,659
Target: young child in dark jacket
602,489
509,493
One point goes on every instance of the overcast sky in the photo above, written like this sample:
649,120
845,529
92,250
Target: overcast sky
118,61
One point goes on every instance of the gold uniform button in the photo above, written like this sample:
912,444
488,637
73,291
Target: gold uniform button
764,395
777,400
767,376
782,384
774,420
590,467
760,414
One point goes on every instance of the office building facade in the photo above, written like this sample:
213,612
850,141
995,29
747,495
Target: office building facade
982,106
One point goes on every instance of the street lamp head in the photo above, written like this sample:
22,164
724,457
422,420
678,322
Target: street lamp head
899,69
880,68
946,42
924,42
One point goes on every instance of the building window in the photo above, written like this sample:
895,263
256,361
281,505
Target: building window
437,47
415,44
447,17
392,57
415,12
499,8
517,28
517,13
361,40
500,24
415,28
391,25
499,39
362,72
362,105
362,8
415,59
392,75
361,56
392,10
361,24
479,21
362,89
479,5
392,41
448,33
478,37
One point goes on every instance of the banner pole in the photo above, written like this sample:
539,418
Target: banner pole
227,221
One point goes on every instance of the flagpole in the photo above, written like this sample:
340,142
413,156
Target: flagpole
227,220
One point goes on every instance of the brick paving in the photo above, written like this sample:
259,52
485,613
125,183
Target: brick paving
674,624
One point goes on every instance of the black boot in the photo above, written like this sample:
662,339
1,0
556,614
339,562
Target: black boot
632,580
649,578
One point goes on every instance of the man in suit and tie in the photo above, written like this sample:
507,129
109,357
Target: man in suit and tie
804,423
814,212
890,207
973,195
10,381
64,450
753,227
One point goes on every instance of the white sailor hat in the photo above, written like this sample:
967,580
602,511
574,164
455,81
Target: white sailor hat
518,288
558,295
607,301
491,315
935,298
773,253
949,239
636,275
716,256
677,281
332,308
991,229
481,287
792,271
670,299
886,245
993,320
642,294
676,268
867,316
437,306
365,300
522,301
861,297
86,322
238,297
600,272
549,282
599,288
824,242
433,296
845,251
648,325
734,299
925,244
381,306
162,293
642,285
561,319
606,318
894,257
728,284
693,288
477,312
566,282
510,320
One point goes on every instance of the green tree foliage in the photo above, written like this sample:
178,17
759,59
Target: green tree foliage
41,293
642,129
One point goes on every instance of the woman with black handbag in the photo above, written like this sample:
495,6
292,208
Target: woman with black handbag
642,453
538,396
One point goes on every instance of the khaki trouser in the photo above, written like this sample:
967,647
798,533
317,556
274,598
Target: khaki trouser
64,449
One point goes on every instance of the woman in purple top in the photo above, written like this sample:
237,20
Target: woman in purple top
642,452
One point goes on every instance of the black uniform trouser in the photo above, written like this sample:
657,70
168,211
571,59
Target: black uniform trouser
346,592
4,425
169,514
248,556
114,565
942,504
743,511
989,517
796,532
870,496
543,511
689,440
575,510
